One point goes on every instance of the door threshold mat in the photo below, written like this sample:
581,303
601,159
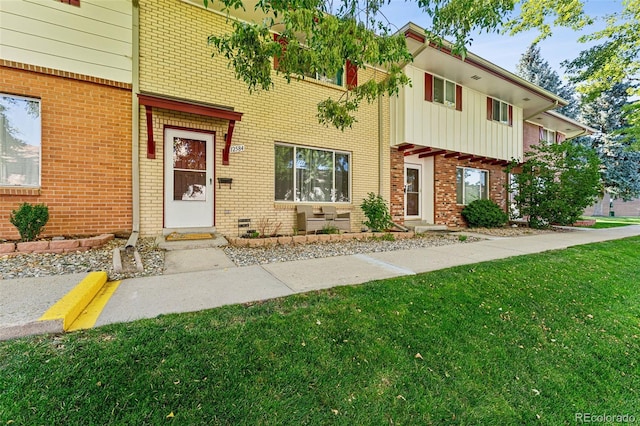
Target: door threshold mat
176,236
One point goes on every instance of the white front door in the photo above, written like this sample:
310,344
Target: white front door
413,191
188,179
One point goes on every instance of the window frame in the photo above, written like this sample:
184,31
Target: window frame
503,110
446,85
429,89
348,76
337,80
548,133
38,184
484,195
296,190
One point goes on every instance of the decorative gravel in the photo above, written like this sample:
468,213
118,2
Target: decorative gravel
99,259
244,256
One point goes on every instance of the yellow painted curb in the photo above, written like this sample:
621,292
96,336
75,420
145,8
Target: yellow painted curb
73,303
92,311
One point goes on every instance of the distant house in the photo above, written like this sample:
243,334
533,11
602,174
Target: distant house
614,207
552,127
454,130
65,113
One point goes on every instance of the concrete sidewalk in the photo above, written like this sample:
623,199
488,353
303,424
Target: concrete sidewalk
199,279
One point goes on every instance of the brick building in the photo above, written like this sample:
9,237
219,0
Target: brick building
65,107
191,105
454,130
204,153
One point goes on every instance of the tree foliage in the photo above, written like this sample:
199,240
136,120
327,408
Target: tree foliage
616,60
317,37
620,161
377,213
534,68
556,183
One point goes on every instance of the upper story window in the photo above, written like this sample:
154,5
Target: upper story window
336,79
20,135
312,175
548,136
442,91
350,70
499,111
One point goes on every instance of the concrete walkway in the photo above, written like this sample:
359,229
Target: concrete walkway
197,279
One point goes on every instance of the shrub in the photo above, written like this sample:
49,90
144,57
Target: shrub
377,213
484,213
329,229
384,237
30,220
556,183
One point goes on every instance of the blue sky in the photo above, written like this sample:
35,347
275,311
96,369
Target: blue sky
505,50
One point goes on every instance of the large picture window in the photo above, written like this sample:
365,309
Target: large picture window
311,175
20,135
471,185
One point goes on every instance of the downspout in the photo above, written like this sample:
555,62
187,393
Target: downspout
135,126
381,146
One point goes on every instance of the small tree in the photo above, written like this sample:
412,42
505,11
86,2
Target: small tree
30,220
556,183
377,213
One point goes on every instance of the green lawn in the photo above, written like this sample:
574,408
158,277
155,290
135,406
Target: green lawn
528,340
612,222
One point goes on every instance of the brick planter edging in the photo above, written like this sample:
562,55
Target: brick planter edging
55,246
584,222
312,238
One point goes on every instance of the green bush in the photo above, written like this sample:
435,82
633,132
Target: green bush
377,213
30,220
485,214
555,184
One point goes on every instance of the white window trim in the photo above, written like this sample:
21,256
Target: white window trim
464,203
504,105
333,184
444,102
39,183
549,132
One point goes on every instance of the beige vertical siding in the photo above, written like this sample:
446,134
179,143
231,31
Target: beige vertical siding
94,39
430,124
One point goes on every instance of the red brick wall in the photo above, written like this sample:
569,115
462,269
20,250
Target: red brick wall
447,211
86,154
531,135
396,206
